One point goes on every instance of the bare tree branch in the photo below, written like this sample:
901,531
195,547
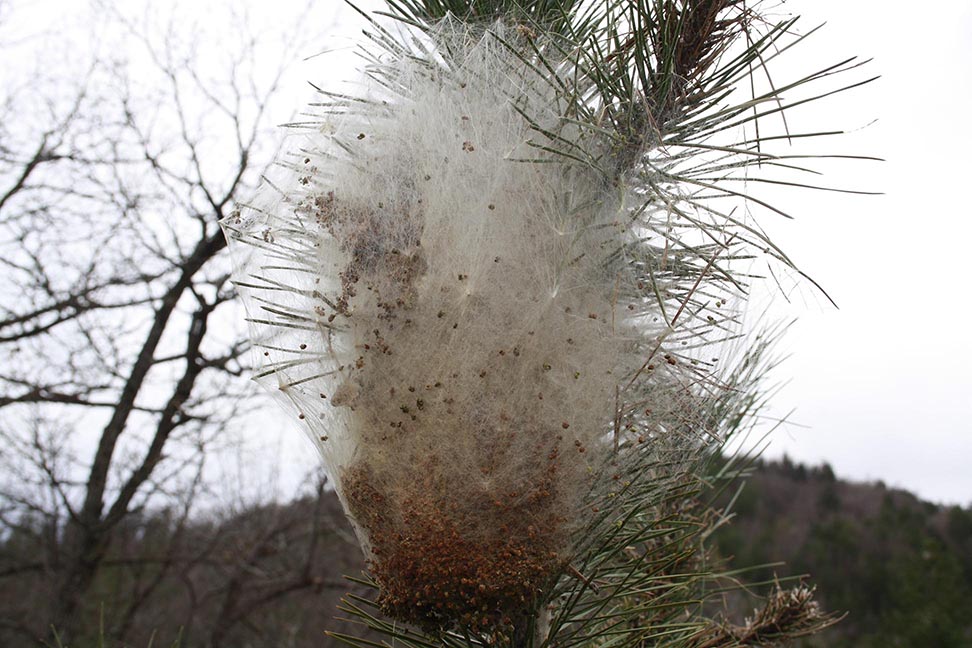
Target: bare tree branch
119,372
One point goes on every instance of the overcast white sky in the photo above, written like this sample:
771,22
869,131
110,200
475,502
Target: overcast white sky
880,387
883,384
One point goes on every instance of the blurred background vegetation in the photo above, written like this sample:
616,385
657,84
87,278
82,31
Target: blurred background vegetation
900,568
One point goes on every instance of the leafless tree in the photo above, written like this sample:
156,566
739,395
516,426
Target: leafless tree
120,364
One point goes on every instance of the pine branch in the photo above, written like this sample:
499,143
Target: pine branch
596,162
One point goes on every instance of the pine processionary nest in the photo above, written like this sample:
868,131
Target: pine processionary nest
453,326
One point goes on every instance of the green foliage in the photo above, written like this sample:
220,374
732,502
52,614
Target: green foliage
898,567
829,501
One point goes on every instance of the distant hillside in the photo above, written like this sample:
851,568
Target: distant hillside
899,567
270,577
